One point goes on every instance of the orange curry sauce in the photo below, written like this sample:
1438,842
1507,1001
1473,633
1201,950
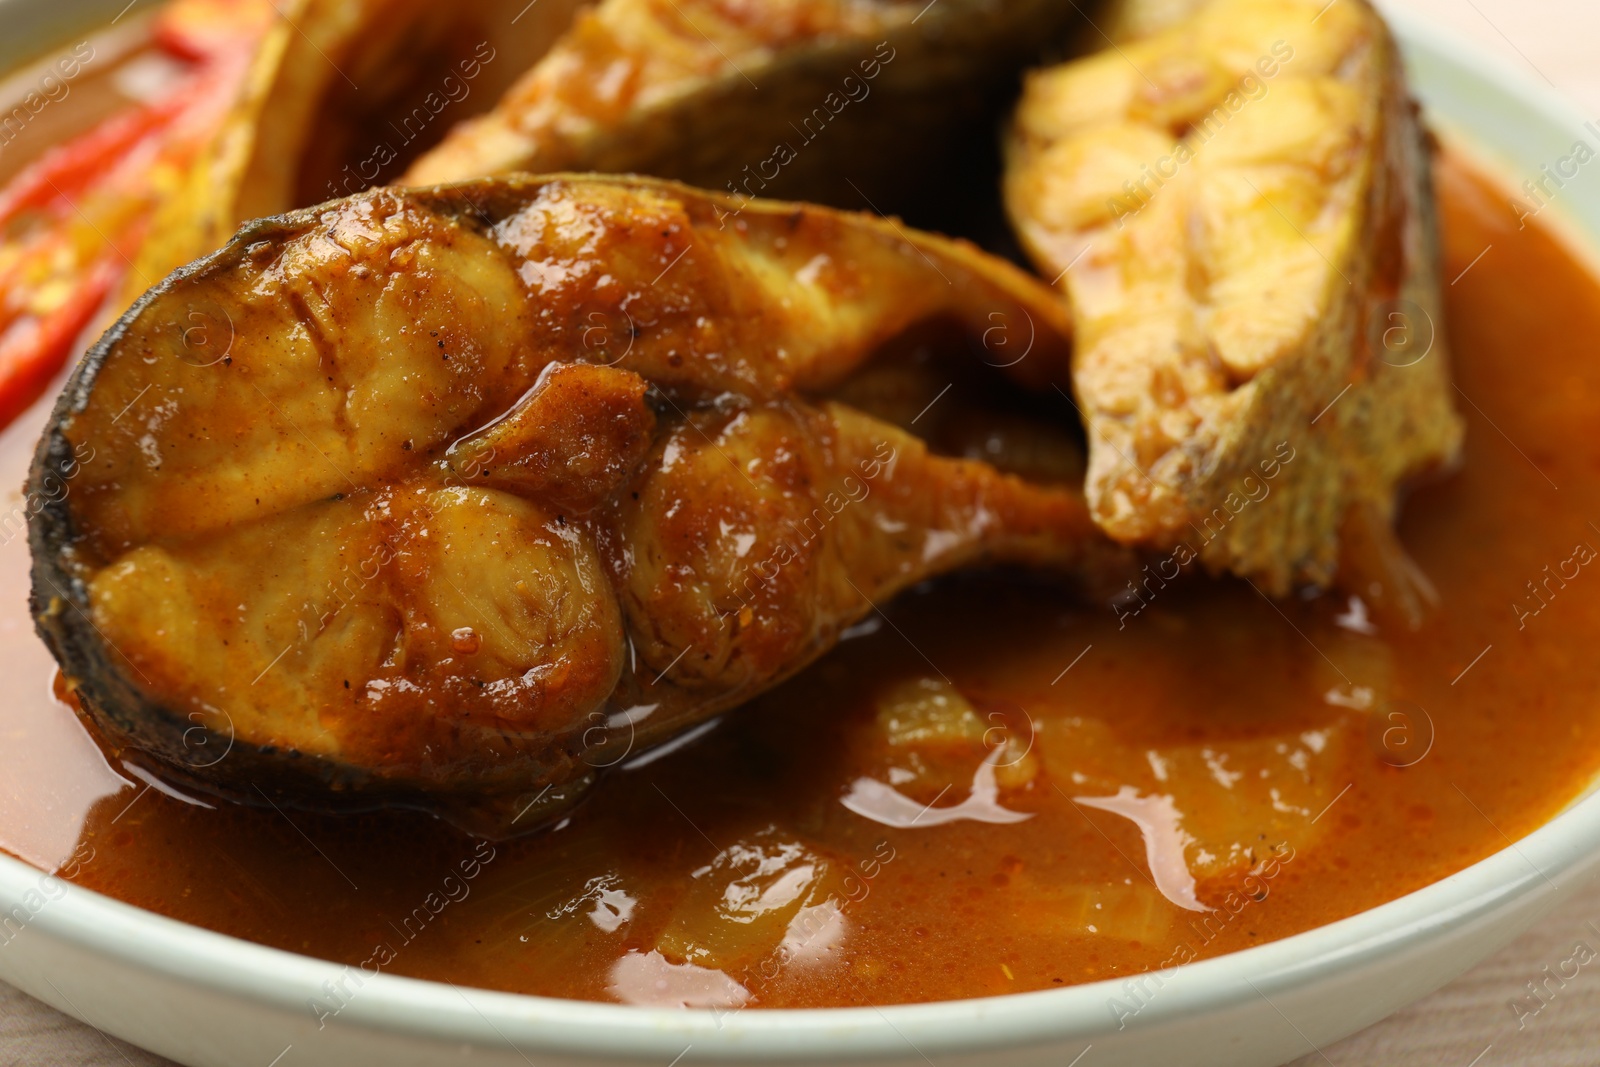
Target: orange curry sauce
1278,736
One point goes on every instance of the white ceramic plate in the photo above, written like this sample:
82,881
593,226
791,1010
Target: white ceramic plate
213,1001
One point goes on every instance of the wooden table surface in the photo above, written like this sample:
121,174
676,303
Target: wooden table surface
1469,1023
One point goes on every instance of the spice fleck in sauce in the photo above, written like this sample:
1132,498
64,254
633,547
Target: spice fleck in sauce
996,787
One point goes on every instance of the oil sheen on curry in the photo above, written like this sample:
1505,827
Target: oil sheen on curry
996,783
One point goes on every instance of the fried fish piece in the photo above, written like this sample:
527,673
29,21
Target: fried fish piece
1129,20
451,497
843,102
1238,209
856,101
340,95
